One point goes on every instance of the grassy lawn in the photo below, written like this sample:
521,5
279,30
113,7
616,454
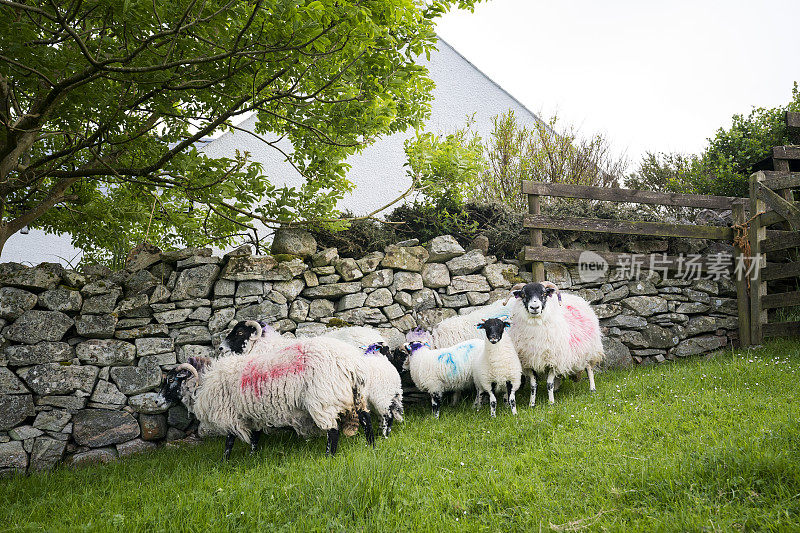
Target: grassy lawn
707,444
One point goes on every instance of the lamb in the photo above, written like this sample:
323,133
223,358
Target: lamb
267,386
496,365
382,386
562,337
442,370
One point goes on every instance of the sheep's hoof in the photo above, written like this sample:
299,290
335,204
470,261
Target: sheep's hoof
592,390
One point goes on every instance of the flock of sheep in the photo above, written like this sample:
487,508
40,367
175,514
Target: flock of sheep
263,382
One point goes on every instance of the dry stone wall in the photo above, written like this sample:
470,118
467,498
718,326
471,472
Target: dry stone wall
82,353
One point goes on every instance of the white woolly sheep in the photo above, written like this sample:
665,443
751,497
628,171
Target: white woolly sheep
270,386
496,365
358,336
561,336
382,386
442,370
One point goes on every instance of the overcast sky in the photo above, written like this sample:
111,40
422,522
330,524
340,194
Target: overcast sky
652,76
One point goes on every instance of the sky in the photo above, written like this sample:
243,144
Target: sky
651,76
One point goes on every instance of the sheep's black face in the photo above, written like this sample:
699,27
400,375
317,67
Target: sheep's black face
398,358
172,384
378,348
494,328
236,341
534,297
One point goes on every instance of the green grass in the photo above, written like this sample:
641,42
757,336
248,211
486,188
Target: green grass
707,444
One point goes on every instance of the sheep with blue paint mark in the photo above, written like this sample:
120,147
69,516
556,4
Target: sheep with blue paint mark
497,365
439,371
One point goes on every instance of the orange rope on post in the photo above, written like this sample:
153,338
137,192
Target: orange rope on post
742,241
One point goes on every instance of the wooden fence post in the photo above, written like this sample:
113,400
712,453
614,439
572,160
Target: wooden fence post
742,296
537,267
758,287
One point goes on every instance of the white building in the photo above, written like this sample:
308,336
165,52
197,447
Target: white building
462,90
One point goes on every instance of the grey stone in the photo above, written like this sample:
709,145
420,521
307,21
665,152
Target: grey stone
309,329
194,350
10,383
633,339
558,274
698,345
405,323
477,298
249,288
179,255
172,317
196,260
14,302
669,319
348,269
423,299
92,457
179,417
310,278
407,281
54,378
59,299
298,311
54,420
150,330
14,408
102,303
293,241
137,306
242,251
726,306
590,295
193,335
108,394
435,275
219,303
96,326
706,285
617,294
101,427
658,337
248,268
24,432
43,352
325,257
332,278
265,310
670,282
160,294
473,282
443,248
224,287
70,403
370,262
106,352
35,326
290,289
195,282
625,321
393,311
408,242
379,298
324,270
362,315
162,272
99,287
148,402
140,283
642,288
153,427
379,278
499,275
154,345
700,324
351,301
136,379
73,279
431,317
219,320
455,300
334,290
468,263
405,258
617,354
697,296
174,434
134,446
44,276
13,456
692,308
481,242
645,305
403,298
320,308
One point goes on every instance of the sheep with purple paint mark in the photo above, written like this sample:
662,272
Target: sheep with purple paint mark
439,371
382,386
554,332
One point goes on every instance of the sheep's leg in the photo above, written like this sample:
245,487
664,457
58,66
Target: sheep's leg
492,401
551,378
456,398
366,424
436,403
533,378
229,440
386,425
512,397
590,373
256,436
478,399
333,441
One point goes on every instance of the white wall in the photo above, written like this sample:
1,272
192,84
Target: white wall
378,173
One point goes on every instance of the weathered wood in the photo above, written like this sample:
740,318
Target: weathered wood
758,287
780,242
775,271
786,152
781,180
793,120
782,329
781,206
658,229
616,194
534,208
781,299
742,302
670,262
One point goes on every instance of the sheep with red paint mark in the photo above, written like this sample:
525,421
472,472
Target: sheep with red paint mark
554,332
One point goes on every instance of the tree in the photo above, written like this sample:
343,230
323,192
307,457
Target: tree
545,152
102,102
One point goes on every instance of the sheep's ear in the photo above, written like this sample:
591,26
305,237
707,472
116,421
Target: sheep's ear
517,294
479,326
506,323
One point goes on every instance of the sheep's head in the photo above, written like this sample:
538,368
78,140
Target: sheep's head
534,296
494,328
241,338
176,380
398,358
377,348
